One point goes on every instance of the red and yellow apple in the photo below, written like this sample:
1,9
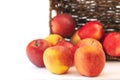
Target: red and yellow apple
89,60
63,24
111,44
35,50
92,29
57,59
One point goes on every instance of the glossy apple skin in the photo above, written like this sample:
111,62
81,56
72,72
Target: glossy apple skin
35,50
89,60
63,24
111,44
92,29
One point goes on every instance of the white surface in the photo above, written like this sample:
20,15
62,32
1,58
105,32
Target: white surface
20,22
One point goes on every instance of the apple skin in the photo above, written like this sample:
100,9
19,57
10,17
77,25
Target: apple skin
67,44
89,41
75,38
63,24
70,46
92,29
89,60
35,50
111,44
57,59
53,39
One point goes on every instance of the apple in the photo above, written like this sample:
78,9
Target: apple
63,24
92,29
89,41
75,38
57,59
35,50
69,45
89,60
53,39
111,44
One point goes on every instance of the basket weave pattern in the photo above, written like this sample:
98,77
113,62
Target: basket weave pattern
106,11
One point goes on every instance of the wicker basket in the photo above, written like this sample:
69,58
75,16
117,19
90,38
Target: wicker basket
105,11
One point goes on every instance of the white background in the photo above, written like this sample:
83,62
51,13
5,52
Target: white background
20,22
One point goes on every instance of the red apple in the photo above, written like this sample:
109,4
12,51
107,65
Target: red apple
69,45
92,29
35,50
111,44
63,24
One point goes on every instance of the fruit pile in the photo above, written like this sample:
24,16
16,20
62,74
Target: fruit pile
85,49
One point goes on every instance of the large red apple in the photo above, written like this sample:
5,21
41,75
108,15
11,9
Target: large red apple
92,29
63,24
111,44
89,60
35,50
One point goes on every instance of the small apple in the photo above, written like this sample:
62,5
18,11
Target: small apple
57,59
92,29
53,39
35,50
89,60
111,44
63,24
75,38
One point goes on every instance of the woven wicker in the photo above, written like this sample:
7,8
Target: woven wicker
105,11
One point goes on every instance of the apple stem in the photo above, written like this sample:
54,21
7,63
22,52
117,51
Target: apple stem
36,43
92,42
